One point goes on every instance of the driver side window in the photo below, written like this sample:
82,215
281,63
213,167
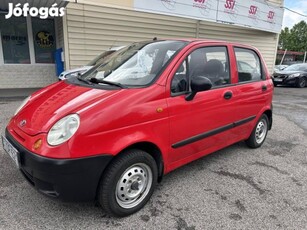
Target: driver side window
180,80
209,62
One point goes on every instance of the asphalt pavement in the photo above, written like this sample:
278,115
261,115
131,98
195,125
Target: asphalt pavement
235,188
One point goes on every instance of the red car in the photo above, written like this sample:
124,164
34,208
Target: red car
112,133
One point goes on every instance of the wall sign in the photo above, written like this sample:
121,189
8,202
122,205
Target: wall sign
257,14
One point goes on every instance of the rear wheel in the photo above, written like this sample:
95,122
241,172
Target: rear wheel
128,183
301,83
257,137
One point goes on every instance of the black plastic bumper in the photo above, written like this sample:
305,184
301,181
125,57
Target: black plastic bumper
66,179
286,81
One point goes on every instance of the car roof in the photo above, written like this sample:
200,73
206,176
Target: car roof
200,40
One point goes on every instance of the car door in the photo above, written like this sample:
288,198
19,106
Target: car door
252,88
202,125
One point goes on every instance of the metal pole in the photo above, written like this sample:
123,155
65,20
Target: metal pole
304,57
283,57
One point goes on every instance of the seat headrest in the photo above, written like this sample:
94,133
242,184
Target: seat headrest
214,66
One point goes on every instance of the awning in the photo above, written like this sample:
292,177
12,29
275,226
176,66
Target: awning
33,3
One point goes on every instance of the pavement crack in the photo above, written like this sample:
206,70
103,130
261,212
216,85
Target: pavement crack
182,224
271,167
247,179
240,206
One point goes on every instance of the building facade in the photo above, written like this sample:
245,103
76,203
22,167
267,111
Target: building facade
90,27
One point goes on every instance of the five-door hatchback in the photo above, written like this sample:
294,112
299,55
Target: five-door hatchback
112,133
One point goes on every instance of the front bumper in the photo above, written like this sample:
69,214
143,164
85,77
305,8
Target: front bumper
66,179
285,81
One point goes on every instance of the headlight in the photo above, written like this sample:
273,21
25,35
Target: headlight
63,129
294,75
22,105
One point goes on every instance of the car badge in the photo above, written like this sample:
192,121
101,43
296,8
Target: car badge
23,123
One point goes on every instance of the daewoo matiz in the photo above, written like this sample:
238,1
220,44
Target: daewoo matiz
113,132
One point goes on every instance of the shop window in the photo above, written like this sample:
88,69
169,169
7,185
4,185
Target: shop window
44,40
14,37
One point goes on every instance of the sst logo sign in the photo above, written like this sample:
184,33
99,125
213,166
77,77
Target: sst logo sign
253,13
204,6
230,9
271,15
42,12
253,10
230,4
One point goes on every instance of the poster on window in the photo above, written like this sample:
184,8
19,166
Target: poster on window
44,40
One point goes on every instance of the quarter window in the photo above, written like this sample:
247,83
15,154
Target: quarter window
248,64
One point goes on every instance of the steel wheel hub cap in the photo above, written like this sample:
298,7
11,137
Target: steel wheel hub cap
261,131
133,185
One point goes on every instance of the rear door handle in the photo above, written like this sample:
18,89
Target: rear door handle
264,88
228,95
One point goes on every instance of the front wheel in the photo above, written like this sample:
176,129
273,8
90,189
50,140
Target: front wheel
128,183
259,133
301,83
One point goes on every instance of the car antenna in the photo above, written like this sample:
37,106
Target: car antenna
113,44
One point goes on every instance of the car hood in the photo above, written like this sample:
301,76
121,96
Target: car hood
278,73
55,102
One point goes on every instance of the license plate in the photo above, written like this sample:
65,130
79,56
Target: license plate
277,80
10,149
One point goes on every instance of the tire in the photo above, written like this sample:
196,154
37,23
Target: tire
275,84
301,83
259,133
128,183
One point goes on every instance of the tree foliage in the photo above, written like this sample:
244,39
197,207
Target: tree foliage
294,39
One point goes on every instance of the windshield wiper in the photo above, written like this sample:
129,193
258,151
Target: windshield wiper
95,80
83,80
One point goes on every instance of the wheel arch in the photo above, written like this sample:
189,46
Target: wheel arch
147,147
270,117
152,150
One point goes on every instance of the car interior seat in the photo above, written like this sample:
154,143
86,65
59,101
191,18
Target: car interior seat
214,70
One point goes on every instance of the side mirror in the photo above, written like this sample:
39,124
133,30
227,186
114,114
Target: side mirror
198,84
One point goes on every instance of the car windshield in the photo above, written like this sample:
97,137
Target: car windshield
100,57
296,67
135,65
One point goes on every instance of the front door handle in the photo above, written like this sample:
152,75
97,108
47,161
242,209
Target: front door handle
264,88
228,95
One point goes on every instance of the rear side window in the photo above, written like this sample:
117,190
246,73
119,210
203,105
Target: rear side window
248,64
210,62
